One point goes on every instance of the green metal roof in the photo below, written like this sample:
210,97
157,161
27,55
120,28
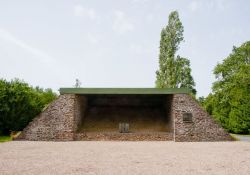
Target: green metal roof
124,91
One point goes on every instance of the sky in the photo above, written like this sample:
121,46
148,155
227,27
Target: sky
114,43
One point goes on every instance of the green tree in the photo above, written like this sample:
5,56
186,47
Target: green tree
20,103
174,71
230,101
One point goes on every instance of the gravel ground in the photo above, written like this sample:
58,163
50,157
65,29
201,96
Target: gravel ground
146,158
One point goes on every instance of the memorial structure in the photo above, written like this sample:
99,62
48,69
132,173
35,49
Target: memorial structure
124,114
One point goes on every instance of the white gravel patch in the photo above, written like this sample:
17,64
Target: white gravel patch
107,157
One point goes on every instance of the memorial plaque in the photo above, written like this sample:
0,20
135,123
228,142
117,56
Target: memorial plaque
123,127
187,117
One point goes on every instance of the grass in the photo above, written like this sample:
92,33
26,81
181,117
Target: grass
5,138
245,135
234,137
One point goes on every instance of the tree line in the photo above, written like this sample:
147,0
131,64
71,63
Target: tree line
20,103
229,101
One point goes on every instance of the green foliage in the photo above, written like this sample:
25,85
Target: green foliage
20,103
174,71
5,138
230,101
201,100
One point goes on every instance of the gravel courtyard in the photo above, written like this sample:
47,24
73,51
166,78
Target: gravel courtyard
147,158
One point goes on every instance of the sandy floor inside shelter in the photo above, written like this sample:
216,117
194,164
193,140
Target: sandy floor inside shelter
106,157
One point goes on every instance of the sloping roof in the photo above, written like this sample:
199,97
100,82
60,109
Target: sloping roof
124,91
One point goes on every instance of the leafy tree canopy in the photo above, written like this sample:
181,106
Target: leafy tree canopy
230,101
20,103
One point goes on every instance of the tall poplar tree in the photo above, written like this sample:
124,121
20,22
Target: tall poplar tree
174,71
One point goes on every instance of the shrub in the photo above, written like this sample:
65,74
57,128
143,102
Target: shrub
20,103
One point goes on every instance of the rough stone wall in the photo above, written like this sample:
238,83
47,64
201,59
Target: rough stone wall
58,122
169,116
202,128
79,111
116,136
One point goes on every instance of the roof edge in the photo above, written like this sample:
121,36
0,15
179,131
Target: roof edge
85,91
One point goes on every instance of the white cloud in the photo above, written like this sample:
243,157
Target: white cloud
193,6
140,1
81,11
220,5
121,23
78,10
150,17
43,57
135,48
140,49
92,39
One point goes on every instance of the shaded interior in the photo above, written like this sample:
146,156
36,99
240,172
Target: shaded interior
144,113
